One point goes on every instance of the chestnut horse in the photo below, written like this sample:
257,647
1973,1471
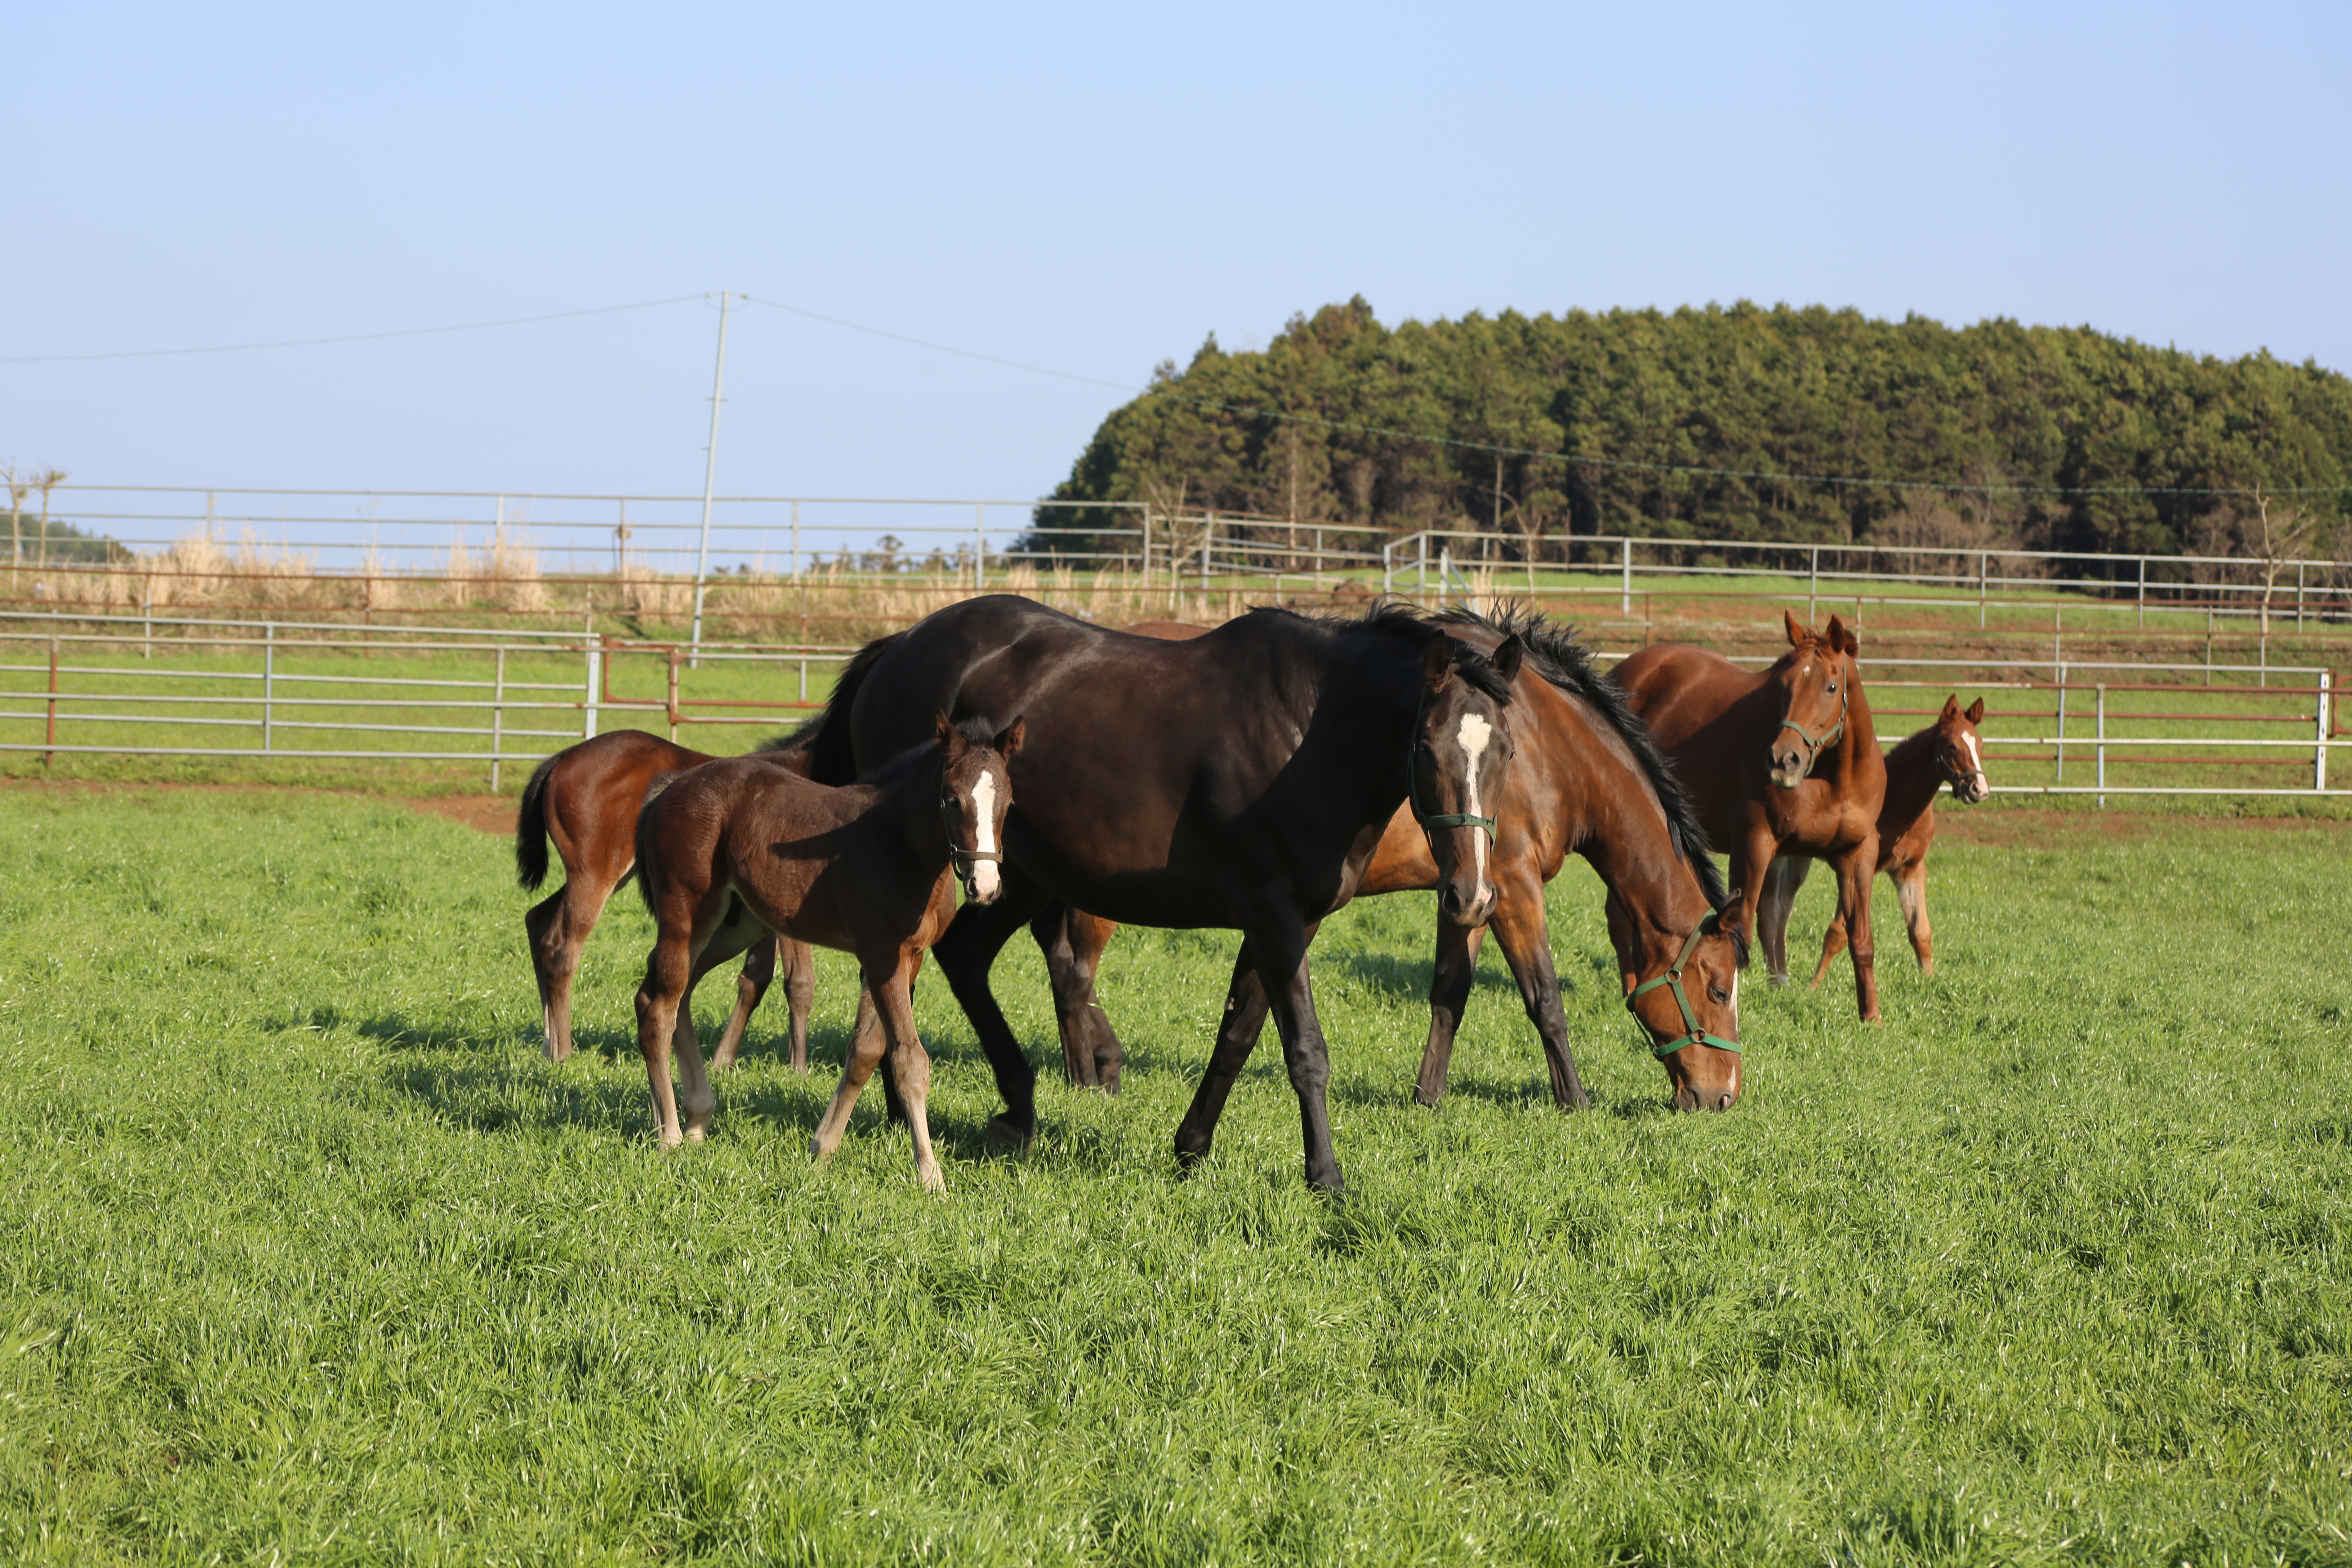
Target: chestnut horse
1585,780
736,849
1242,779
1780,762
587,798
1946,751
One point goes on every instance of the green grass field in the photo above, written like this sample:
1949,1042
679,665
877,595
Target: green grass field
307,1255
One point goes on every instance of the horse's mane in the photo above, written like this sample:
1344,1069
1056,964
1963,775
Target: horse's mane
1568,664
825,738
1405,624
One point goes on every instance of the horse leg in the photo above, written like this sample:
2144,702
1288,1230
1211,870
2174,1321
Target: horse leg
1052,929
800,992
966,951
1280,945
1752,867
1088,936
758,970
910,1066
1855,872
660,999
1833,943
1525,936
1623,939
1449,989
556,928
866,1045
1911,895
1246,1008
697,1099
1788,874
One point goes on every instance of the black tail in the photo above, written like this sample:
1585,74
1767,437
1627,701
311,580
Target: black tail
530,830
823,742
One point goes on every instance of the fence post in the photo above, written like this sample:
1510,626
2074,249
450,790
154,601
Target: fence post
497,716
1814,591
2319,753
2062,724
2298,595
50,735
269,680
1421,575
2141,624
588,723
1984,570
1208,539
1147,547
1625,604
673,697
148,609
2102,733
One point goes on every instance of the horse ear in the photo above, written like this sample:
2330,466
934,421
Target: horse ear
1009,739
1839,636
1798,633
1951,708
1437,661
941,731
1507,658
1975,715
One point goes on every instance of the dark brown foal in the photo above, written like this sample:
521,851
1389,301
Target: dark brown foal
733,850
1946,752
585,798
1780,762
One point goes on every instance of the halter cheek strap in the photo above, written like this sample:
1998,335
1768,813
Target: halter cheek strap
1673,981
1832,733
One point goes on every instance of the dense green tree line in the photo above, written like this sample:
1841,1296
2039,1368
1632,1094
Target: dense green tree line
1542,428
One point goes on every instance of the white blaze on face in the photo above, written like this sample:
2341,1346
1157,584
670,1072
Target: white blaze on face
1976,758
1473,735
983,806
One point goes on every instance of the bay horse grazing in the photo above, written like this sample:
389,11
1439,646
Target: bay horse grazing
733,850
1584,780
587,798
1240,779
1780,762
1946,751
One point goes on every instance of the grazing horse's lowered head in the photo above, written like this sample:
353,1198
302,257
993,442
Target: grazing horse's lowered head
1462,744
1960,752
975,792
1814,680
1691,1011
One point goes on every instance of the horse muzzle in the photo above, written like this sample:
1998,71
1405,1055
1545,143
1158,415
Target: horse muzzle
1972,789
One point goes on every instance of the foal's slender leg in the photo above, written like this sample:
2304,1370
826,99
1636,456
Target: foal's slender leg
1855,872
1449,989
965,952
910,1067
1052,929
1911,895
660,1002
1781,884
865,1046
1525,937
556,928
1245,1009
1833,943
758,970
1089,935
800,992
699,1101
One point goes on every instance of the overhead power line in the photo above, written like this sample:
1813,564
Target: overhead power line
351,337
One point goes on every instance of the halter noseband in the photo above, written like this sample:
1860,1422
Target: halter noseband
1673,981
963,859
1814,759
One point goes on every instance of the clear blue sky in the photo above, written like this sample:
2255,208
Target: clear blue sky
1087,188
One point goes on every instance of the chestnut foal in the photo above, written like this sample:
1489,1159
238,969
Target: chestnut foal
585,798
1946,751
733,850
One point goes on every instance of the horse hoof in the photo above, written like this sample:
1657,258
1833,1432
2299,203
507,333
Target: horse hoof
818,1152
933,1182
1778,982
1006,1136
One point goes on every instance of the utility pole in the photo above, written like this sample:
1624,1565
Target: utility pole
710,472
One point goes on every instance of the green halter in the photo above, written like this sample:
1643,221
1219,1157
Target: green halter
1412,790
1673,981
1832,733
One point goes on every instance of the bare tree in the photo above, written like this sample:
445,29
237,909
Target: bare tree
19,489
2275,541
45,481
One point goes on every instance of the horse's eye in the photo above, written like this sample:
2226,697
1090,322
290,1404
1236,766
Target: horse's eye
1833,686
1720,994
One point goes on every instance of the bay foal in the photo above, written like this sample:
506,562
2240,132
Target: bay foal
1946,752
585,798
733,850
1784,761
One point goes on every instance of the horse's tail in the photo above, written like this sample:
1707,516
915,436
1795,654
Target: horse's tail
530,829
821,750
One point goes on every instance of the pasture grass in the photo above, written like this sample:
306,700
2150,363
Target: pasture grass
308,1255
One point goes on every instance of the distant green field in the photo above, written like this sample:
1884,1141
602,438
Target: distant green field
308,1255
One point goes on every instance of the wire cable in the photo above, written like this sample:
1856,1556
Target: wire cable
353,338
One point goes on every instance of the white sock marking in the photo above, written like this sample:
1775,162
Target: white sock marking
1475,733
983,806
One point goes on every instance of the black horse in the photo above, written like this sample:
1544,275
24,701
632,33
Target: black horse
1239,780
